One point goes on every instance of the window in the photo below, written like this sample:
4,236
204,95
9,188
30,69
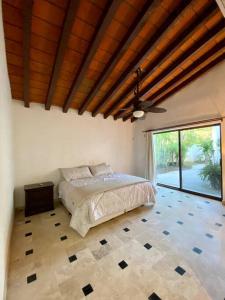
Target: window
190,160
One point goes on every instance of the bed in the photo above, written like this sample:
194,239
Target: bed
94,200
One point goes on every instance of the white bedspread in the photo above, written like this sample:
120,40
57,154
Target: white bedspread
91,199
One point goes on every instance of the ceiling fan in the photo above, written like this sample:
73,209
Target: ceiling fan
139,106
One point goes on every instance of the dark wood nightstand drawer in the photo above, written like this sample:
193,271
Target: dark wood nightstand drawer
38,198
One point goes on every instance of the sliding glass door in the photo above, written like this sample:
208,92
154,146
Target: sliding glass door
166,146
190,160
201,157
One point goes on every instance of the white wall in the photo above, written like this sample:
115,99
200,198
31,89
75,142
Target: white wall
200,100
6,169
221,4
47,140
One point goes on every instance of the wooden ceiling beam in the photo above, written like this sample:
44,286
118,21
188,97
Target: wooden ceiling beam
129,116
27,18
189,79
146,49
184,56
104,22
135,27
185,72
67,26
172,47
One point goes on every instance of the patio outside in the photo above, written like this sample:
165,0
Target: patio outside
192,181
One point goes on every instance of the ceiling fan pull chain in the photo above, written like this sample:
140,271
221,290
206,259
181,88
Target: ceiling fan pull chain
137,87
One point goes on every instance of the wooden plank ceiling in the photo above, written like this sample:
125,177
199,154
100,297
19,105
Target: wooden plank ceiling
83,54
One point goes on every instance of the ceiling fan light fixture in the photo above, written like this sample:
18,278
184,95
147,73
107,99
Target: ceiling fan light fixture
138,113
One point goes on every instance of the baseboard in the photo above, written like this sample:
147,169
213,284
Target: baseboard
19,208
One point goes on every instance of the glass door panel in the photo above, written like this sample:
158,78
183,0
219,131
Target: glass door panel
166,148
200,160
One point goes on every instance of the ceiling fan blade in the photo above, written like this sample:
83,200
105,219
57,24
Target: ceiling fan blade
126,108
156,110
146,104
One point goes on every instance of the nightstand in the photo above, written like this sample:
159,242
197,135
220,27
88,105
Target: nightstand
38,198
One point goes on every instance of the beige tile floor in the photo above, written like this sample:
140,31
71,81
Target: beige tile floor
201,224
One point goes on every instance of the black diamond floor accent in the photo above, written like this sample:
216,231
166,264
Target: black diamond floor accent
57,224
87,289
180,270
63,238
158,212
28,221
197,250
180,201
103,242
191,214
144,220
53,214
31,278
169,206
166,232
28,252
209,235
123,264
218,224
28,233
154,296
147,246
224,215
180,222
72,258
126,229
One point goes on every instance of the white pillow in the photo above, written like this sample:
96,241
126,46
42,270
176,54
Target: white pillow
76,173
101,169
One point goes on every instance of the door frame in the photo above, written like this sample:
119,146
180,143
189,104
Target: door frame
180,188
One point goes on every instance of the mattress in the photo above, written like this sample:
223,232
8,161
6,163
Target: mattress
93,199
